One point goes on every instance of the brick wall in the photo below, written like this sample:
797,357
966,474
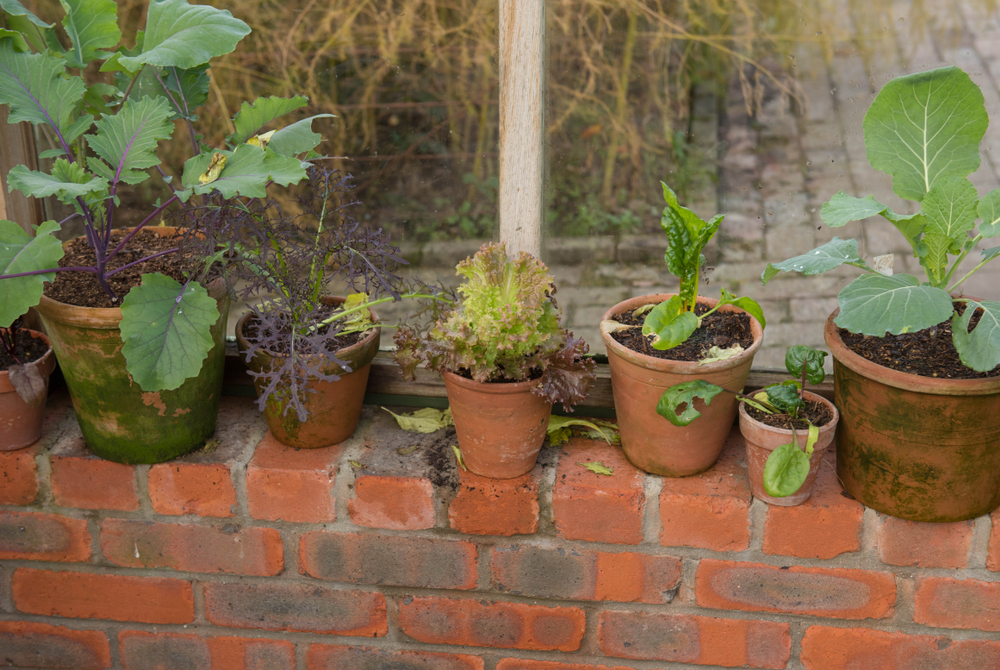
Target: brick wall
379,554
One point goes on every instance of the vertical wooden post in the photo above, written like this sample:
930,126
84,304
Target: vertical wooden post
522,124
17,147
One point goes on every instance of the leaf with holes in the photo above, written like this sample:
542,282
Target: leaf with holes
980,349
21,252
127,141
874,304
833,254
685,394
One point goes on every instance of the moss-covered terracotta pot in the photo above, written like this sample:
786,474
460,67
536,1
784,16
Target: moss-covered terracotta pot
334,407
915,447
21,423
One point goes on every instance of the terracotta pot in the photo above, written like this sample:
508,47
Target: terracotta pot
500,426
637,381
915,447
762,439
334,407
20,423
119,421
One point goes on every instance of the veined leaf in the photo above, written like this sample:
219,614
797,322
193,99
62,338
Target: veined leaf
33,86
785,398
40,34
188,88
912,227
950,210
669,324
248,169
297,138
166,330
182,35
598,468
924,127
426,420
68,181
254,116
874,304
833,254
92,25
685,393
989,212
20,44
127,140
20,252
687,235
980,349
786,470
812,359
843,209
14,8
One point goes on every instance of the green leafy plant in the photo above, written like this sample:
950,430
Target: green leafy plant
106,135
923,129
788,466
672,322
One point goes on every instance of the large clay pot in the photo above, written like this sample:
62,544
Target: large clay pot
120,421
21,423
651,442
914,447
334,407
761,439
500,426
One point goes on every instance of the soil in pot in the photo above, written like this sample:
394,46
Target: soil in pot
819,414
20,422
720,329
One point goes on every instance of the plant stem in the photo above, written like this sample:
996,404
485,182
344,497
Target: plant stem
141,225
132,83
367,305
969,274
41,272
961,257
141,260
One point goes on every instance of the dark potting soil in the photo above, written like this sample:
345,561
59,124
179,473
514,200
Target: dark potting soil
251,330
27,349
928,353
818,413
719,329
534,373
81,288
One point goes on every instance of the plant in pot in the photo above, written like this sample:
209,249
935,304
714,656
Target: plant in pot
915,362
133,316
786,428
505,360
26,362
657,341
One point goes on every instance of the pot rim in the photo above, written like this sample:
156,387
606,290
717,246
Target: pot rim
902,380
826,428
46,364
496,388
675,367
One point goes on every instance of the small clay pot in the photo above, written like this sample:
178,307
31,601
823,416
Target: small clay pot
762,439
21,423
651,442
500,426
334,407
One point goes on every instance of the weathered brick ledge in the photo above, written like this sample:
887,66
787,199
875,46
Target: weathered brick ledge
375,555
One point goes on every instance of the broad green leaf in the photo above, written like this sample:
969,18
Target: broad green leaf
598,468
989,212
912,227
127,140
685,393
20,252
187,88
297,138
785,471
33,86
426,420
166,330
92,26
20,44
254,116
924,127
748,305
950,210
833,254
182,35
95,96
843,208
14,8
980,349
785,399
68,180
248,170
38,33
560,423
687,235
669,324
874,304
990,254
812,359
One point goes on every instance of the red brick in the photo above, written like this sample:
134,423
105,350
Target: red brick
593,507
285,484
395,503
18,476
43,537
828,524
94,596
862,648
79,479
924,545
710,510
146,544
329,657
492,624
829,592
363,558
951,603
694,639
993,557
523,664
156,651
484,506
39,645
572,574
296,607
205,489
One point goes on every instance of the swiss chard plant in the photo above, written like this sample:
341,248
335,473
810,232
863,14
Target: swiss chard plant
923,129
105,133
788,466
505,328
672,322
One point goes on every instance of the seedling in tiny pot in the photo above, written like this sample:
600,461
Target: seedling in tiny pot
923,129
788,466
672,322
